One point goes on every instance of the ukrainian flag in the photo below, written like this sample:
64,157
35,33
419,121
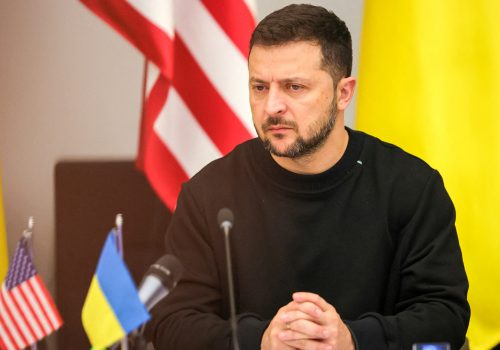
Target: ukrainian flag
112,308
429,81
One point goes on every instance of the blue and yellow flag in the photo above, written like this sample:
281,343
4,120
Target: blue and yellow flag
429,81
4,259
112,308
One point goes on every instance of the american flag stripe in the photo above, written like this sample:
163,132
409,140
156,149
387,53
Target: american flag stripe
238,28
199,49
214,115
152,77
6,339
42,320
134,20
10,323
5,321
176,116
168,169
250,4
156,98
28,309
46,302
229,80
19,323
25,305
159,13
27,313
159,156
136,28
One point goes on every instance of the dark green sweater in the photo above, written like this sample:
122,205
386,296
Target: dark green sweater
374,235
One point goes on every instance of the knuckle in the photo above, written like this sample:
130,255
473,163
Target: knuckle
307,307
335,332
274,332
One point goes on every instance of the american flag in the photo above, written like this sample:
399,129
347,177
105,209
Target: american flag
195,93
27,311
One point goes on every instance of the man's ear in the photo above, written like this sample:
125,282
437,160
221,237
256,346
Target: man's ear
345,92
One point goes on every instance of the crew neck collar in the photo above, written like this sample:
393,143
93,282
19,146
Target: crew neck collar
291,181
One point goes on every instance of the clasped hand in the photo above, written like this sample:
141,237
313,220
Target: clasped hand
308,322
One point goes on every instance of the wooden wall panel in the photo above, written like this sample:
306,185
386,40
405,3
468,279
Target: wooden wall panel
88,196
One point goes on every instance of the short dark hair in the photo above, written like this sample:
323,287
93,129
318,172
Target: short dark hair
309,23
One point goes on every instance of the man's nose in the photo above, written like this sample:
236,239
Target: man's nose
275,104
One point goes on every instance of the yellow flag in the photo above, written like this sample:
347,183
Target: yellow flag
429,81
4,260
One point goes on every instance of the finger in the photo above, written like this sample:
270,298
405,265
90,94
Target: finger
308,344
271,340
306,310
304,329
301,297
294,315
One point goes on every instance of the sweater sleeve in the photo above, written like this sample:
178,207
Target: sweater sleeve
428,286
195,315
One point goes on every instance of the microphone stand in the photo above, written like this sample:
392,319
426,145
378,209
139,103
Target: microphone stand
137,341
226,227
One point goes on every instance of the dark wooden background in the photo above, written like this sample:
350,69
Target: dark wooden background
88,197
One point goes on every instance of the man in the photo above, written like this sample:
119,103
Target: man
340,241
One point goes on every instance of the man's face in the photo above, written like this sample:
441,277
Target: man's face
291,97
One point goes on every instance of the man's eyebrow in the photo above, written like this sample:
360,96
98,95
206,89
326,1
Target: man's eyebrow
256,80
294,80
285,81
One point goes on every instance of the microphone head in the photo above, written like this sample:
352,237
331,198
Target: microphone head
225,217
168,269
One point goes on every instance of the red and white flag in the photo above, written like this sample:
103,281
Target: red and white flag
27,311
196,94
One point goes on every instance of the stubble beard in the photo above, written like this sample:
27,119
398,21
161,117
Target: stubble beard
301,147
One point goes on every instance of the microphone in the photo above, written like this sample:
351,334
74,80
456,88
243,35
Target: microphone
157,283
159,280
225,219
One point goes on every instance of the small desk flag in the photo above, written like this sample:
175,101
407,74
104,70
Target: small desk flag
27,311
112,308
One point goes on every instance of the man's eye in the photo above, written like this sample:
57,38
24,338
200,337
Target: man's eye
259,87
295,87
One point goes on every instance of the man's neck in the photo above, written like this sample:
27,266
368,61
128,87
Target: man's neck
323,158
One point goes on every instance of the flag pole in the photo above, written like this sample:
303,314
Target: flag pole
118,234
119,246
143,130
28,235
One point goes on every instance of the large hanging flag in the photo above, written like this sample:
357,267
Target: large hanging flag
27,311
112,308
429,81
196,96
4,260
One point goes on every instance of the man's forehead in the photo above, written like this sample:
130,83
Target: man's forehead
294,60
299,45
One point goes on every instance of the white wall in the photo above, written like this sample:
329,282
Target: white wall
70,89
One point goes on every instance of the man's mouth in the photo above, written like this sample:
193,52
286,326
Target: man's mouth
278,128
277,125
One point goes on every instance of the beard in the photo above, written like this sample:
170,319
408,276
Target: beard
320,130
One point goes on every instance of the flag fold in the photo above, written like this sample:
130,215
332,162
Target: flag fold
196,96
